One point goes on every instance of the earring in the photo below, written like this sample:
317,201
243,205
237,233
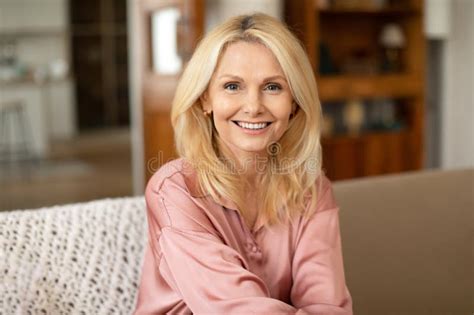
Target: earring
207,113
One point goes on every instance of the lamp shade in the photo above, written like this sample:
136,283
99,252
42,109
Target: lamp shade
392,36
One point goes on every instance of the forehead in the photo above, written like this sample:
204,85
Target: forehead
248,59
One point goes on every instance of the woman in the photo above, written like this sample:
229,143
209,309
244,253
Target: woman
244,221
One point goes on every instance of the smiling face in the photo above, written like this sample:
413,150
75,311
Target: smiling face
250,99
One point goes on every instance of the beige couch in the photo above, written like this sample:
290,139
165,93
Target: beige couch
408,242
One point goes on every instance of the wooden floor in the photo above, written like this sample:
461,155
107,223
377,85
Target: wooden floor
95,165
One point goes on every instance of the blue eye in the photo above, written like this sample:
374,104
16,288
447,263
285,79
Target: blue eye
231,86
273,87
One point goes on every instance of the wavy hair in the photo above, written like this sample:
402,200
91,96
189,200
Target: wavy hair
294,162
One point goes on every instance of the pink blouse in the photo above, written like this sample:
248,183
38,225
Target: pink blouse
203,259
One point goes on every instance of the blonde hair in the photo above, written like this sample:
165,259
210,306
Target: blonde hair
294,162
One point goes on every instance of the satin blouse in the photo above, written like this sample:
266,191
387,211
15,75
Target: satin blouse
203,259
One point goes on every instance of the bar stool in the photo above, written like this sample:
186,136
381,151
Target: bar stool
15,139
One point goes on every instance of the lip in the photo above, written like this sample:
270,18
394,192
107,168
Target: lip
252,132
252,122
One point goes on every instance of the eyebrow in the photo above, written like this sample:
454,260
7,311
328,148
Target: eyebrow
236,77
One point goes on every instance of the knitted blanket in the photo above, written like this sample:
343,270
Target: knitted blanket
82,258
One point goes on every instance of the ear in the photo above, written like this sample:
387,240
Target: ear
205,103
294,108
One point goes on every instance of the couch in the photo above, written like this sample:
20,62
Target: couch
74,259
408,242
407,246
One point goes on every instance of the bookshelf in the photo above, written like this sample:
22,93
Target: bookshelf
353,48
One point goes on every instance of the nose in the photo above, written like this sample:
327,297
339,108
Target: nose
253,105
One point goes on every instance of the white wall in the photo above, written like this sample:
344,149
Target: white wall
217,11
32,14
136,108
437,18
457,110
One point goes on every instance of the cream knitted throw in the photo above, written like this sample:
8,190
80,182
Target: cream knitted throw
76,259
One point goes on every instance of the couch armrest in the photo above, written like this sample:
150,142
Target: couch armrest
408,242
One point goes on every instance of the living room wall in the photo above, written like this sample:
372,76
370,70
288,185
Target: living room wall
457,110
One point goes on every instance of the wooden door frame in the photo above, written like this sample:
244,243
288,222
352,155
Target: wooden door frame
143,93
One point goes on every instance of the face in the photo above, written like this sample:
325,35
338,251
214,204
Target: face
250,99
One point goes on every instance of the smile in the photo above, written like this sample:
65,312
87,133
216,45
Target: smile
252,126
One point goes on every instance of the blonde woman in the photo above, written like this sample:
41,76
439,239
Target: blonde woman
244,222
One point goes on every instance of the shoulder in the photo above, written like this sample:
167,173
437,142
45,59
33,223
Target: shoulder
170,197
174,174
177,172
324,195
324,206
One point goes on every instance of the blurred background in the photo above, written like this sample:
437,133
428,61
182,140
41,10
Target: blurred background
86,87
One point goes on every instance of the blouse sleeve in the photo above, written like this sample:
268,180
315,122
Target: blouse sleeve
196,264
318,273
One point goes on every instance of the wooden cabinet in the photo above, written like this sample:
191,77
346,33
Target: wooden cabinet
347,45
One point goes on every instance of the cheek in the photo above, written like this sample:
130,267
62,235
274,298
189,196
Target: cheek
281,127
282,111
221,116
224,108
222,113
282,116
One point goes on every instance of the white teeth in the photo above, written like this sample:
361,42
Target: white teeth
252,126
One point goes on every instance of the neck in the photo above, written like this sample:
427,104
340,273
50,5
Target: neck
250,166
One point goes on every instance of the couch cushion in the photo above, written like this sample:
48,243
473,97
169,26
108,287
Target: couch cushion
75,259
407,242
